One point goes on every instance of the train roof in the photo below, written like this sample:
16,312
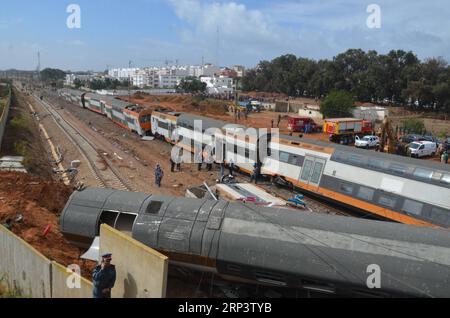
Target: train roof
365,154
188,120
116,103
278,240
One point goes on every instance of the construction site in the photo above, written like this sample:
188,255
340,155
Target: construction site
306,223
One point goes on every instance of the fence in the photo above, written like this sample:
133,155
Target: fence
28,273
4,117
143,277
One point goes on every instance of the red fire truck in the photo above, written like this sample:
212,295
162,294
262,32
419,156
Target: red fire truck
302,124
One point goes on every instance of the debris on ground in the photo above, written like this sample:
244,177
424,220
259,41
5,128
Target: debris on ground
35,205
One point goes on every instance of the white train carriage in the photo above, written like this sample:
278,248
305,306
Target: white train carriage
390,187
164,124
241,147
205,135
93,103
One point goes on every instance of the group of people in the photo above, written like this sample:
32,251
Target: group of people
278,122
201,159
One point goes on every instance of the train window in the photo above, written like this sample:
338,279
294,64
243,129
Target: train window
346,188
397,169
317,172
154,207
339,156
376,164
445,179
423,173
366,193
284,157
412,207
440,216
295,160
355,159
306,171
387,200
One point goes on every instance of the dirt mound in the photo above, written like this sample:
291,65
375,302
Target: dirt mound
39,202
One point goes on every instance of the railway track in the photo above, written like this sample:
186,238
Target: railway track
101,167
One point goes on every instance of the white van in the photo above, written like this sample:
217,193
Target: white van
422,148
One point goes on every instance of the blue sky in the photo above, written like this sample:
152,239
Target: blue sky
150,31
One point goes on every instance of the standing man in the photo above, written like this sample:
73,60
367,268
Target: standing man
222,170
104,277
279,121
255,174
172,165
271,121
445,157
159,174
231,167
199,160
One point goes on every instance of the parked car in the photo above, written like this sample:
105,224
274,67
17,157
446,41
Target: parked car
431,138
420,149
411,138
367,142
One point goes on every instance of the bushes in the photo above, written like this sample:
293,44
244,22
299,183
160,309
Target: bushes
414,125
337,104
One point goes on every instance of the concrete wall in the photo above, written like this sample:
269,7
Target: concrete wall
141,271
288,107
23,268
4,119
60,288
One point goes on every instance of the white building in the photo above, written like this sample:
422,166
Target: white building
218,85
169,81
70,78
122,73
239,69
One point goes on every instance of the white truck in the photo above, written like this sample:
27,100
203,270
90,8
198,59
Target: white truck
420,149
367,142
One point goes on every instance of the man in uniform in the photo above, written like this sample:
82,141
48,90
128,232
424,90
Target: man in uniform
104,277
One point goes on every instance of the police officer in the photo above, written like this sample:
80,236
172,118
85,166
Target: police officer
104,277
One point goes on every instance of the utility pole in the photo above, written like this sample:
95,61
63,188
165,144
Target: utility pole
217,46
129,81
38,69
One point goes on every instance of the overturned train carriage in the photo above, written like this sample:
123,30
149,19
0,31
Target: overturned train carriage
271,246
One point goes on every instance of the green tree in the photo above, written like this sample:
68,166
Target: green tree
414,125
192,85
337,104
52,75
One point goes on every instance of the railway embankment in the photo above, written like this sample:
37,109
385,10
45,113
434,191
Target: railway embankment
22,137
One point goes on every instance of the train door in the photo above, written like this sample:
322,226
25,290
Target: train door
312,171
154,125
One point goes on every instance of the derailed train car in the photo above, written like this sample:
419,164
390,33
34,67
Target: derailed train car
389,187
132,117
275,247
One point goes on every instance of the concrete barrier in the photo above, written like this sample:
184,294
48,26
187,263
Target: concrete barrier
69,285
23,268
141,271
4,118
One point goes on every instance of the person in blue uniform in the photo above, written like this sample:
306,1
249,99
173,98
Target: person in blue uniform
104,277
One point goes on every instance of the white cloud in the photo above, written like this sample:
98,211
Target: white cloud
312,28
